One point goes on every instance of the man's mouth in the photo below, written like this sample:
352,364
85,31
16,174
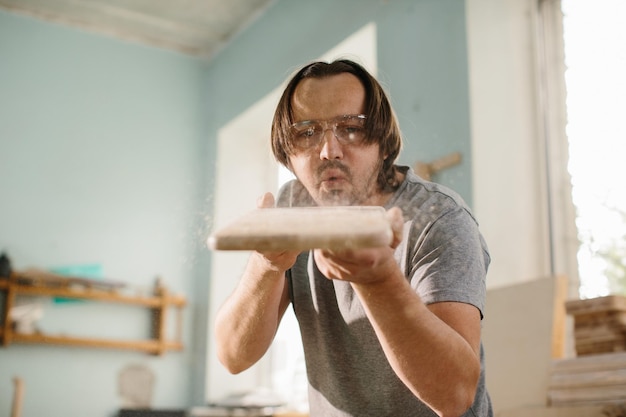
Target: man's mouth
332,177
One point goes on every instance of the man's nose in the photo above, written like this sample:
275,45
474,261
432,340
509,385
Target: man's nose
331,148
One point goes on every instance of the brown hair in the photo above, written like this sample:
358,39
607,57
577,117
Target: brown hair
381,124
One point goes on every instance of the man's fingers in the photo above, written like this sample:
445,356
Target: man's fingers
265,201
396,220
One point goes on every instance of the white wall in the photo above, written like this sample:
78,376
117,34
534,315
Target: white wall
509,158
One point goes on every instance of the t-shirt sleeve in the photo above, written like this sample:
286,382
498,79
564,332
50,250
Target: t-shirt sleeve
449,260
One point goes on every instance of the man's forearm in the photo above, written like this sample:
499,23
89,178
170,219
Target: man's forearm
247,322
432,359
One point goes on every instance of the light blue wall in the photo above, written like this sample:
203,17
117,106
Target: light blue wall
101,161
422,62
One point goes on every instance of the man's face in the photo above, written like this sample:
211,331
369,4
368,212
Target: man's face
332,172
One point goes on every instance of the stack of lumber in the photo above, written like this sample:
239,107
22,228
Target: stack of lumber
588,380
599,324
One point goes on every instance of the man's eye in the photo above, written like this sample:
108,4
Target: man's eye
348,130
307,133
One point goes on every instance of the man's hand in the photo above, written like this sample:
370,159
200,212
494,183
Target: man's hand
363,265
277,261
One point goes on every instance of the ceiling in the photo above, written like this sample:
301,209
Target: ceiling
193,27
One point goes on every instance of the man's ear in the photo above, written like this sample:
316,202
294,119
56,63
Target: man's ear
382,153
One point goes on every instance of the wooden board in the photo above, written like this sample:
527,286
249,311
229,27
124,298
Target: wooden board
595,305
594,379
277,229
40,277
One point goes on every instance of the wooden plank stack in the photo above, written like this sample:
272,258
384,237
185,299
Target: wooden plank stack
599,324
597,376
589,380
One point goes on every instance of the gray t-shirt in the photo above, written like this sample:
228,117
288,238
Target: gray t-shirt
444,257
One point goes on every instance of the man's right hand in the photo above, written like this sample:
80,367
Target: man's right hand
277,261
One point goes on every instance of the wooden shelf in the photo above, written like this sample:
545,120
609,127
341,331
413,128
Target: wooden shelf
160,302
150,346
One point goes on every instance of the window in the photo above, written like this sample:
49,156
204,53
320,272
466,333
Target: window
595,59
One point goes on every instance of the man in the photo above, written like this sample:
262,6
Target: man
390,331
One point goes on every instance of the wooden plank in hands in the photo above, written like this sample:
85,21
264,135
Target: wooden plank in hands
304,228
